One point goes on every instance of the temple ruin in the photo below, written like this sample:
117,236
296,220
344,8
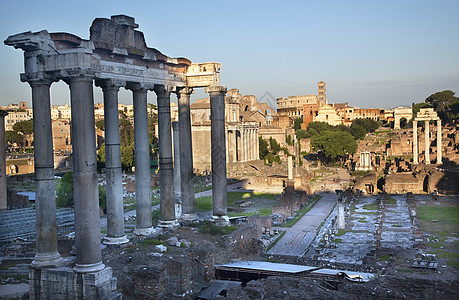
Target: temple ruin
115,56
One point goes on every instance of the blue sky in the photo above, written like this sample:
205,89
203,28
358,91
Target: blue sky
370,53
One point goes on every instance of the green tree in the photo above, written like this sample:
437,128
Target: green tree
334,144
445,103
417,107
368,124
64,193
315,128
297,123
357,131
13,137
100,124
25,127
289,140
274,145
127,157
301,134
263,147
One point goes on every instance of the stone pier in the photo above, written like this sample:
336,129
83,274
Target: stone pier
166,170
3,198
114,187
341,224
45,203
218,148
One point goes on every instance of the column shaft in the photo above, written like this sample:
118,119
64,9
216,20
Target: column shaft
219,193
177,180
86,194
3,198
142,163
257,146
235,145
186,155
427,142
45,204
439,146
166,172
114,187
415,142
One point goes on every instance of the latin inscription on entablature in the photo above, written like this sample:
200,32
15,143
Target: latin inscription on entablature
137,73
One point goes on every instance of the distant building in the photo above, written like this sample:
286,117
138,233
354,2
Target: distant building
61,135
292,105
345,111
327,114
321,93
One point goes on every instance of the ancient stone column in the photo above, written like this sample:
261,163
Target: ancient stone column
114,187
427,142
219,193
142,161
85,191
235,145
177,180
290,168
186,155
257,145
166,172
340,221
415,142
45,203
439,146
3,198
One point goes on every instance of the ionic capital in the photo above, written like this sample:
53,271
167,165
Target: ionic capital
184,91
163,90
139,86
110,84
37,79
216,89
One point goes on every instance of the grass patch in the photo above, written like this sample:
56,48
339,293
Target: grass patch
302,211
396,225
445,214
203,203
342,232
275,242
386,257
267,211
372,206
362,220
453,263
436,245
390,200
152,242
207,227
336,241
446,254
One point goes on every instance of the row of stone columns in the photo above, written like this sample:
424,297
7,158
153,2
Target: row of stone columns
87,221
249,144
426,142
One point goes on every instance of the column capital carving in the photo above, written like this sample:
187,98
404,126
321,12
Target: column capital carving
110,83
36,79
164,90
139,86
184,90
216,89
75,74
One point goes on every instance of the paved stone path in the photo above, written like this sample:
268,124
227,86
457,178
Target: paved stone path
297,239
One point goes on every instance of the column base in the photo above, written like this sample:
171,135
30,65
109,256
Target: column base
168,224
221,220
439,162
43,260
190,217
89,268
115,240
144,231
